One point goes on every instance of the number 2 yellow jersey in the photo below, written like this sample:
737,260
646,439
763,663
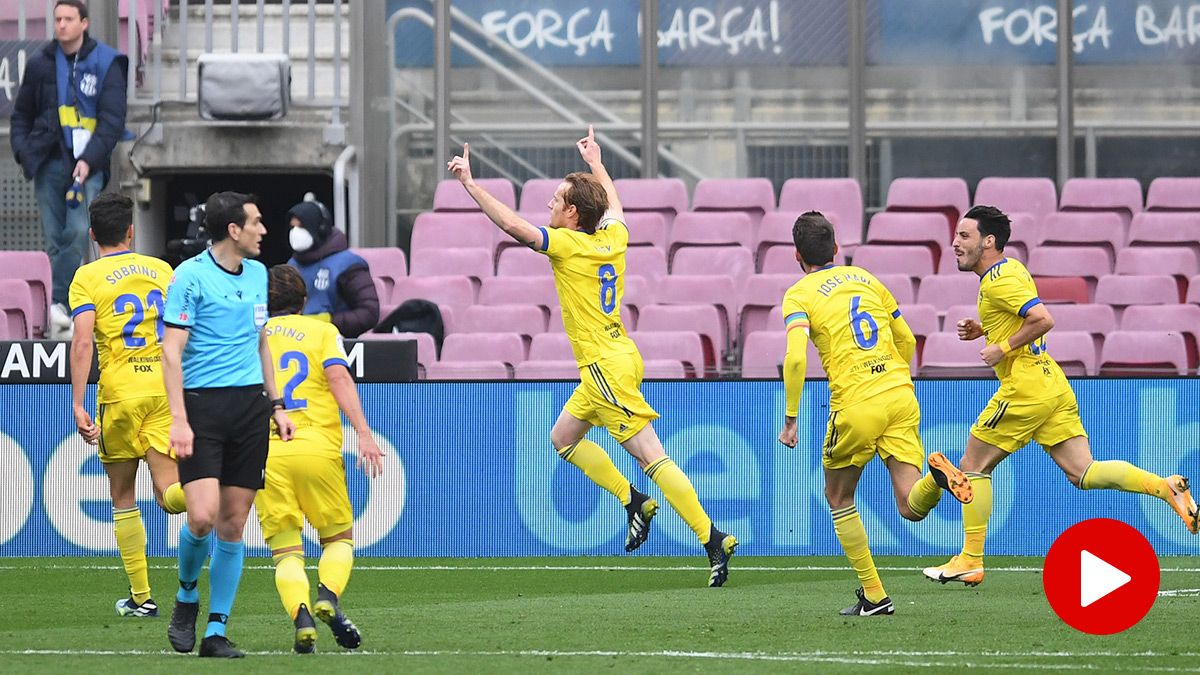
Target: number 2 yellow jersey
848,313
301,348
1006,294
589,274
126,290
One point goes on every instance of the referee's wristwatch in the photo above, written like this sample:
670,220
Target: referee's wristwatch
277,404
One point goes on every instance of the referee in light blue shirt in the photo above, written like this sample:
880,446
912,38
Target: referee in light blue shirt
221,389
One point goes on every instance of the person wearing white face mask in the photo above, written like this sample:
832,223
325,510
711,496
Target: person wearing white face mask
339,283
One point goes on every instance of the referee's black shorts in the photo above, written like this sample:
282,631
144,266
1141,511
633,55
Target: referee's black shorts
232,427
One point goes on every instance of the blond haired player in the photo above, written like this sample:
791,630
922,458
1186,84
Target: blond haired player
865,347
118,299
306,476
585,242
1034,400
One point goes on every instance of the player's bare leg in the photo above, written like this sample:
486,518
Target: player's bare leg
840,486
978,462
164,476
1074,457
130,533
915,498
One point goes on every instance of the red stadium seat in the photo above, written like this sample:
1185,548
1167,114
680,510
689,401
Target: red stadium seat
943,291
914,261
1075,352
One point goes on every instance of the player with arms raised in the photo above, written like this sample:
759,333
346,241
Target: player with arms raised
585,242
1034,400
865,347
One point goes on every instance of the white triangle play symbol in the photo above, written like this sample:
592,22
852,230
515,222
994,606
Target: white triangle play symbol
1097,578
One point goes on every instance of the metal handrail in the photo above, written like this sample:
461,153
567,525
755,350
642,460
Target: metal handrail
345,167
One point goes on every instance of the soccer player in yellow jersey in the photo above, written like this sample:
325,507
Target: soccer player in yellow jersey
585,242
118,300
1034,400
865,347
306,477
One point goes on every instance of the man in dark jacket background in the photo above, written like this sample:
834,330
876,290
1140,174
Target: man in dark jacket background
68,116
338,280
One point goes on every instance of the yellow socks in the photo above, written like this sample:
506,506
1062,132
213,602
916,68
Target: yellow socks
337,558
850,531
173,499
292,581
595,463
976,514
924,495
1115,474
681,495
131,542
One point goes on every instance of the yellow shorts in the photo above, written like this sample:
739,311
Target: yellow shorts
888,425
130,428
1010,424
300,486
609,396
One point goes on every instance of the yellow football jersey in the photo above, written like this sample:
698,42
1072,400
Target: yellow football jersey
848,315
301,348
126,290
1006,294
589,274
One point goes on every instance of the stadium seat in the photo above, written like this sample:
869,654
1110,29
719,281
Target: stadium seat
1193,295
1181,263
639,292
383,291
1173,194
761,296
683,346
1035,196
450,195
956,313
947,356
781,259
547,370
774,230
763,353
509,290
505,347
1103,230
467,262
717,290
526,320
452,230
386,264
455,292
1097,320
469,370
1025,231
840,199
711,229
647,229
663,369
1135,353
1146,289
923,229
1088,262
628,319
943,291
522,261
17,309
1182,319
914,261
947,196
753,196
551,347
1166,229
901,287
922,320
665,196
1122,196
736,261
1054,290
1075,351
646,261
705,320
536,194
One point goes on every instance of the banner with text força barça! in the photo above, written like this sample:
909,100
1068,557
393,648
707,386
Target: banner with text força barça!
470,471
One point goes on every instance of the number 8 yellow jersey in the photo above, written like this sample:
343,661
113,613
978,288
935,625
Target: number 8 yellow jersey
589,274
301,348
848,315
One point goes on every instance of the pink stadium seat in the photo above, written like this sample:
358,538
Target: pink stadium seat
914,261
666,196
717,290
468,262
1182,319
1181,263
1025,232
386,264
628,319
761,297
753,196
468,370
840,199
943,291
450,195
1088,262
774,230
646,262
382,291
922,320
947,196
1166,229
763,355
527,320
781,259
663,369
639,292
1075,351
736,261
1173,194
702,319
505,347
1063,289
547,370
957,313
1098,320
901,287
711,229
947,356
925,229
1193,295
1104,230
1143,353
16,310
551,347
521,261
684,346
1018,195
537,193
447,312
1122,291
455,292
452,230
509,290
1122,196
647,229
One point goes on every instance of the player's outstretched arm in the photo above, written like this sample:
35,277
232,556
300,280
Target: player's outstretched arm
505,218
81,365
903,338
589,150
341,385
794,364
174,340
287,428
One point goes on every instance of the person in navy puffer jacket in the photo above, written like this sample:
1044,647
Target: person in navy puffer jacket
339,282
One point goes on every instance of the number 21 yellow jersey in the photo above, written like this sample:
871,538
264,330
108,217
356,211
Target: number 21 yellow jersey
301,348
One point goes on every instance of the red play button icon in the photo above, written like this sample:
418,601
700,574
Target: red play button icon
1101,576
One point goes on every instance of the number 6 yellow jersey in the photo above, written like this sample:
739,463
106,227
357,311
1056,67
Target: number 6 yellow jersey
848,315
589,274
301,348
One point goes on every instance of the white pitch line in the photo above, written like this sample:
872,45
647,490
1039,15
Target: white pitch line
560,568
1179,593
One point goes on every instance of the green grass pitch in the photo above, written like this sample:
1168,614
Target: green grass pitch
587,615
